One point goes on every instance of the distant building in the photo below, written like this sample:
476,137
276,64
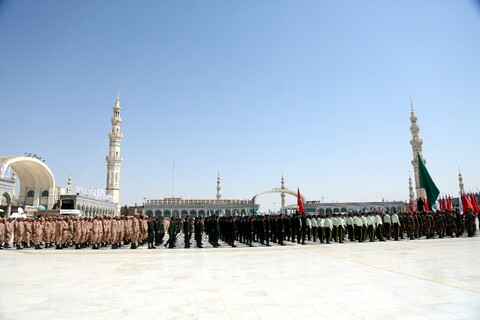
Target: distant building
180,208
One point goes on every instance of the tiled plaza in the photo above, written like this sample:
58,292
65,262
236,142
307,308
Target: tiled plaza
419,279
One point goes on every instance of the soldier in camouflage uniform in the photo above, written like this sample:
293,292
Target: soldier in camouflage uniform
410,226
470,222
439,224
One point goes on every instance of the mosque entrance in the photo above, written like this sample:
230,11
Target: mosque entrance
37,184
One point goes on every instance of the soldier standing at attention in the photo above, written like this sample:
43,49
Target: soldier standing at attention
158,226
439,223
287,225
327,224
249,231
410,226
135,232
150,233
363,218
309,228
349,223
19,233
280,229
470,222
387,223
379,226
271,229
37,232
269,224
396,225
58,234
198,226
2,233
321,228
8,231
313,222
303,221
371,227
114,226
187,231
357,222
341,228
216,231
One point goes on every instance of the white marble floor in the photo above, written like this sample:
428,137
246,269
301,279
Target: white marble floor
419,279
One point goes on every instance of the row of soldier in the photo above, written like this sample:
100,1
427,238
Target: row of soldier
102,231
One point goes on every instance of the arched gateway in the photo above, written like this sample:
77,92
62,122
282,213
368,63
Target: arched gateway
283,191
37,184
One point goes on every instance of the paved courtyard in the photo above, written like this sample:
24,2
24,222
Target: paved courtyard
419,279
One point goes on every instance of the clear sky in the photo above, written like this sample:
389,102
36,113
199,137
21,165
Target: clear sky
315,90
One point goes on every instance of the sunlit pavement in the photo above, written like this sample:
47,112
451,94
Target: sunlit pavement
419,279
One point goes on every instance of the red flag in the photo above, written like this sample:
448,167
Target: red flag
427,207
301,208
411,208
466,203
474,203
449,204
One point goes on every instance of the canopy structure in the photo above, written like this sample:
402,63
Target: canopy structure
37,184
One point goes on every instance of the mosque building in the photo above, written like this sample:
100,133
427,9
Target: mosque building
39,194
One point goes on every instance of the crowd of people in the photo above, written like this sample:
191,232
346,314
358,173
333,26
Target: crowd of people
134,231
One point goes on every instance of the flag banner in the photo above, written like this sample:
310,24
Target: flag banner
466,203
449,204
427,205
411,208
427,183
301,208
473,198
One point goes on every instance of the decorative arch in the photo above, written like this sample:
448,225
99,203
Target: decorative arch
278,190
33,175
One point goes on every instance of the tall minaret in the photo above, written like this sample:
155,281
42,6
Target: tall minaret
460,182
219,187
416,143
410,189
69,184
114,160
283,193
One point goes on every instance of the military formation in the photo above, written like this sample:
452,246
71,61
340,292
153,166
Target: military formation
134,231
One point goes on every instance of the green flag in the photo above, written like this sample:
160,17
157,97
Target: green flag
427,183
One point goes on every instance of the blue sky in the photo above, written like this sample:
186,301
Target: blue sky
315,90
